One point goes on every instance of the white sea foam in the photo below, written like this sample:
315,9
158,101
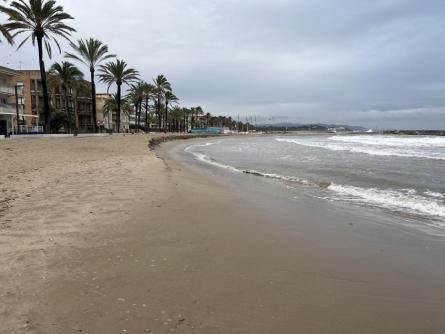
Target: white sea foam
400,146
400,141
188,148
434,194
205,158
278,177
397,200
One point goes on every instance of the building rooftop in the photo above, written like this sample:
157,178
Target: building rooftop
9,71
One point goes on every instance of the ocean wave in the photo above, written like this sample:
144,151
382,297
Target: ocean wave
399,141
375,146
188,148
205,158
427,203
396,200
434,194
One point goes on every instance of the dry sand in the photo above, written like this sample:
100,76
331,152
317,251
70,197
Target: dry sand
99,235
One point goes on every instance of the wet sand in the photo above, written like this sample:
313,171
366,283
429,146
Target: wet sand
99,235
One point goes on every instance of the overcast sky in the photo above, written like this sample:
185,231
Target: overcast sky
376,63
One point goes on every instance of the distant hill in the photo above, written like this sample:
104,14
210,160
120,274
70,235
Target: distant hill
309,127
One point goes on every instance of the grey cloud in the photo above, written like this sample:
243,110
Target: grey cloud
346,61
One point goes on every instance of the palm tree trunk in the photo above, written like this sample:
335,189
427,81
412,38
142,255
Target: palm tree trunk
118,115
76,115
159,113
184,122
139,114
93,100
146,114
44,84
68,118
166,116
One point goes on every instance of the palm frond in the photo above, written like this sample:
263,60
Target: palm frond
117,72
91,52
41,19
5,33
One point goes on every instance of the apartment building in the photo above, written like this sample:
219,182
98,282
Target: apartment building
21,93
79,100
109,120
32,98
12,114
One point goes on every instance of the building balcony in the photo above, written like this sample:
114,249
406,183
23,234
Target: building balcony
7,90
7,109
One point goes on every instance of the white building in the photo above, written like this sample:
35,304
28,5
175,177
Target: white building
11,101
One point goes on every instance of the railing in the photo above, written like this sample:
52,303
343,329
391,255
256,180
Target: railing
6,109
23,129
7,90
10,110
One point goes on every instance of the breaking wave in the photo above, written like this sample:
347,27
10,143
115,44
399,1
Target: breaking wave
406,200
427,203
399,146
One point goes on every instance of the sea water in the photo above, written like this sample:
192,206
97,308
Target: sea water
404,175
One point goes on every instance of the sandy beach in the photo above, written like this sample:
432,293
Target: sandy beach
102,235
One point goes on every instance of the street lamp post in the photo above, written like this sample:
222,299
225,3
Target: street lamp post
17,105
17,108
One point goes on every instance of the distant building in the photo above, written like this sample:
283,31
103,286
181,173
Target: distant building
103,121
78,100
32,99
109,120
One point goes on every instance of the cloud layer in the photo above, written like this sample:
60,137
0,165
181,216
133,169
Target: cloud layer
374,63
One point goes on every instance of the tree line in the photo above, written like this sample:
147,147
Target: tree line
44,22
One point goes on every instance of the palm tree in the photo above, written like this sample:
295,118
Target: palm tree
65,75
90,52
136,95
148,94
161,85
6,34
169,97
44,20
116,72
176,118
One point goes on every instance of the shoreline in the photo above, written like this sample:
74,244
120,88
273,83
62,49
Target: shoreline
116,240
